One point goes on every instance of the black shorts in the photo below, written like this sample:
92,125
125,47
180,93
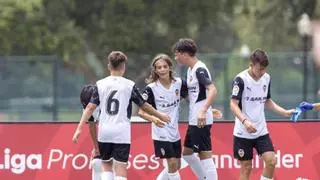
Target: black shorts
243,148
166,149
198,139
118,152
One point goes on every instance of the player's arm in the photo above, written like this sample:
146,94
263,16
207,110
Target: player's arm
137,98
203,78
93,135
184,90
149,97
237,90
270,104
86,115
317,106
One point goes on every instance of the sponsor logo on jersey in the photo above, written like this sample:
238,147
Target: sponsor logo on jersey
256,98
264,88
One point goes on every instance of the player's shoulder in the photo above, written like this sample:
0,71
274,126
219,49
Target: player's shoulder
151,85
127,81
242,75
266,76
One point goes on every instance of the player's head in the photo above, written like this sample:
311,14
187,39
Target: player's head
117,61
183,49
259,61
86,93
161,68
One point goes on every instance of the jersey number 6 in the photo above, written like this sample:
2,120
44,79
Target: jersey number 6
112,104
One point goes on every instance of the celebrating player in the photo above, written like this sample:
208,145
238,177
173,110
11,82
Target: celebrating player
114,94
250,94
164,92
201,94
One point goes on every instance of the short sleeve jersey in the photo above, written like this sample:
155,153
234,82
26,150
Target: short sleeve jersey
198,78
114,96
252,95
167,101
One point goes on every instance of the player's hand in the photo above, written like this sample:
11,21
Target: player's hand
94,153
201,118
305,106
158,122
165,117
216,113
249,126
75,137
289,112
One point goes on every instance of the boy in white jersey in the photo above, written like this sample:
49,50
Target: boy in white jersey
250,94
114,95
164,92
201,94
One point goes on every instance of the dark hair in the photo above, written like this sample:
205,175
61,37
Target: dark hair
185,45
86,93
115,58
153,75
259,56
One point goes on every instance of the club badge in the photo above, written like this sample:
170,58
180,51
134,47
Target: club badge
241,152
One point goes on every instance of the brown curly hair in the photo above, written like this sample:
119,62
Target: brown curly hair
153,75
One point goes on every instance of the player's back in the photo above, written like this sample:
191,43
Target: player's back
115,106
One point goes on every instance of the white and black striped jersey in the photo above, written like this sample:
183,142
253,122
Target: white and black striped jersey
252,95
167,101
114,95
198,77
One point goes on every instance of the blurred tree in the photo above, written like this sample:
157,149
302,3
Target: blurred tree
81,32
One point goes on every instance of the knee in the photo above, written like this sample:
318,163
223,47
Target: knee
271,163
173,166
246,168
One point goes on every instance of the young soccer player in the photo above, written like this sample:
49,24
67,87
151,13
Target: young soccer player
164,92
201,94
250,94
114,95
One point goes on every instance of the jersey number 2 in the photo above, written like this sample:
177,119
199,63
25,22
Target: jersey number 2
112,104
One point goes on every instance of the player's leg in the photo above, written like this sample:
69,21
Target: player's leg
96,168
265,148
189,156
120,154
243,151
105,150
174,161
171,152
205,152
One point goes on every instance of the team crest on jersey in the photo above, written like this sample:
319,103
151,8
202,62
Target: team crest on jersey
241,152
190,79
163,152
235,90
264,88
145,96
177,92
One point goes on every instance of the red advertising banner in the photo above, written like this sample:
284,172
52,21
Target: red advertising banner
45,151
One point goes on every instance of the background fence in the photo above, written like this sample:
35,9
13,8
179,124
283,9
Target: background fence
39,88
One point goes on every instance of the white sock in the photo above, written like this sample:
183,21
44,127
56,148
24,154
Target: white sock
264,178
196,166
174,176
210,169
163,175
96,169
120,178
106,175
